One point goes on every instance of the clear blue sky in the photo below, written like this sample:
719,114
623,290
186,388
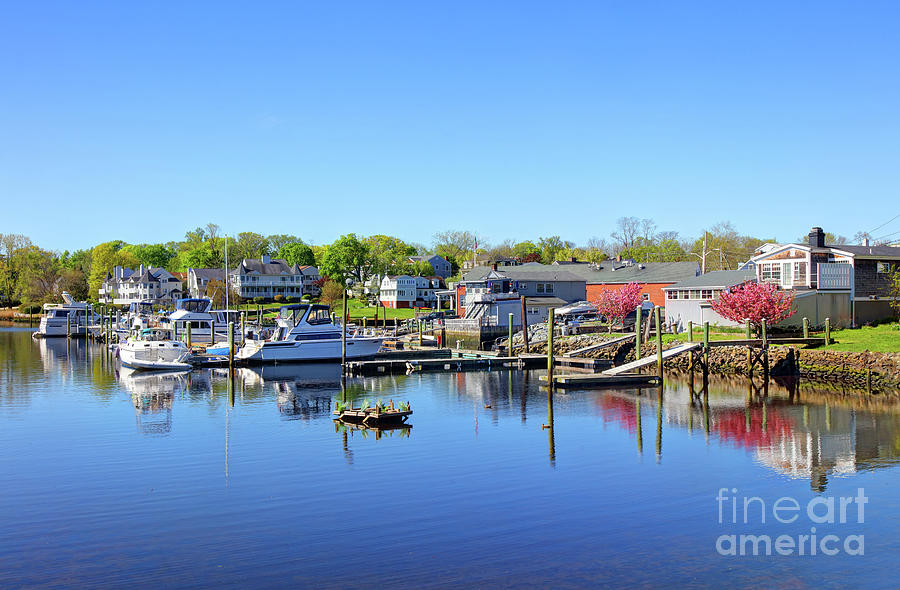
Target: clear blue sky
139,121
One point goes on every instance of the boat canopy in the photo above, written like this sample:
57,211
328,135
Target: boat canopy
200,305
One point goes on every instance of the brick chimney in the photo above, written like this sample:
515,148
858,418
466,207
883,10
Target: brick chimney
494,266
619,258
816,238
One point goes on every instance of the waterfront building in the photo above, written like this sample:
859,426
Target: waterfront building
123,286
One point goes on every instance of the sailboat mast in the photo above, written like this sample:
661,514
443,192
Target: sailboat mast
226,273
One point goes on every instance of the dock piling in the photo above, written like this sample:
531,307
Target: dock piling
659,346
637,332
230,343
510,335
524,323
550,348
806,327
827,331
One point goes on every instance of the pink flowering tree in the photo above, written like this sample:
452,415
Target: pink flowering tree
755,302
615,305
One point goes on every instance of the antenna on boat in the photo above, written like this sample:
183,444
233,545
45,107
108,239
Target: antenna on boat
226,272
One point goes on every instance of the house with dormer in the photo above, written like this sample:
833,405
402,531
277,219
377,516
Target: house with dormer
267,277
851,285
123,286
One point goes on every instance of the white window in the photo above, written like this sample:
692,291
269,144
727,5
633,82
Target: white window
883,267
671,294
706,294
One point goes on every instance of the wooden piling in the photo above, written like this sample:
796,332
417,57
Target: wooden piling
212,332
806,327
690,328
243,327
510,351
637,332
659,346
748,336
827,331
230,343
188,334
524,323
765,350
659,403
550,348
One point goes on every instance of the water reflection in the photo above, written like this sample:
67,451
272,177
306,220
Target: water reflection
301,391
152,395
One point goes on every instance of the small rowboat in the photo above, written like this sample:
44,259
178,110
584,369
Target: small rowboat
373,416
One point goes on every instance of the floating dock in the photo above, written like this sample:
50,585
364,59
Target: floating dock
601,380
652,359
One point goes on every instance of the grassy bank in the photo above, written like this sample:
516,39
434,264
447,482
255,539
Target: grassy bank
880,338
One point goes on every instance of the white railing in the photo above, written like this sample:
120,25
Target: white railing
835,276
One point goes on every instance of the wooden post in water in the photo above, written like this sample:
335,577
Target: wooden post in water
637,332
550,348
749,349
344,336
765,345
524,323
806,327
659,348
511,335
827,331
230,344
419,322
212,332
690,331
243,327
659,402
188,334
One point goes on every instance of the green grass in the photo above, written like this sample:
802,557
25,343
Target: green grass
356,309
880,338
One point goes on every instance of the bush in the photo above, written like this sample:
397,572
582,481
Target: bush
279,298
30,308
306,297
259,300
290,299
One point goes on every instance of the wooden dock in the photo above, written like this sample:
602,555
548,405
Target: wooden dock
757,342
601,380
604,344
652,359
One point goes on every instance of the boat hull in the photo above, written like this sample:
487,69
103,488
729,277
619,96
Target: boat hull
307,350
154,356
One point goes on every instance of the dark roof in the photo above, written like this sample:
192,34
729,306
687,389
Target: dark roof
144,278
715,279
870,251
276,266
524,273
209,273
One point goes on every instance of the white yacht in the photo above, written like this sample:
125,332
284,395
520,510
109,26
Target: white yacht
305,333
201,317
67,318
154,349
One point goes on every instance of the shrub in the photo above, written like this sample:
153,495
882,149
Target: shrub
259,300
279,298
30,308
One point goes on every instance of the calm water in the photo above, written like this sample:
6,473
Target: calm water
110,478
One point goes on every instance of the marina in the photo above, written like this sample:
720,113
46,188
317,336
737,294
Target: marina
155,465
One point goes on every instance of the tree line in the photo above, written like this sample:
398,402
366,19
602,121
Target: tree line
29,273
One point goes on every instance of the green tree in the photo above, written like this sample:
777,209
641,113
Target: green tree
346,258
421,268
667,250
74,282
297,253
523,249
156,255
279,241
552,248
104,257
455,244
387,255
40,274
215,290
251,245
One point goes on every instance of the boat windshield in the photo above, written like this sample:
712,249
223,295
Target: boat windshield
293,313
320,314
194,305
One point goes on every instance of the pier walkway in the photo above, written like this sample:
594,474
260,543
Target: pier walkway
651,360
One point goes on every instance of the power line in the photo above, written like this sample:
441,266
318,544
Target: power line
885,223
887,235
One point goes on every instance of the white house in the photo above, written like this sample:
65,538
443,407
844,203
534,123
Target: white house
398,291
690,300
267,277
124,286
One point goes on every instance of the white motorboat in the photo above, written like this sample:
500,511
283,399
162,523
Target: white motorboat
154,349
198,313
305,333
69,318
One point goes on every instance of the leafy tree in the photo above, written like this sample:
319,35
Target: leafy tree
251,245
279,241
421,268
551,248
615,304
725,248
13,248
346,258
332,293
104,257
40,274
650,251
74,282
297,253
755,302
156,255
388,255
895,288
80,260
215,290
455,244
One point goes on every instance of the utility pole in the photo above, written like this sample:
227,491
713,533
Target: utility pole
703,259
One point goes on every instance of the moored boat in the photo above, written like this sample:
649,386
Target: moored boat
304,332
70,318
154,349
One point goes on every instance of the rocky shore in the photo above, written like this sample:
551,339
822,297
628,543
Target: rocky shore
876,370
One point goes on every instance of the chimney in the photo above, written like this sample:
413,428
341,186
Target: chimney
573,259
494,266
816,238
865,241
619,258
